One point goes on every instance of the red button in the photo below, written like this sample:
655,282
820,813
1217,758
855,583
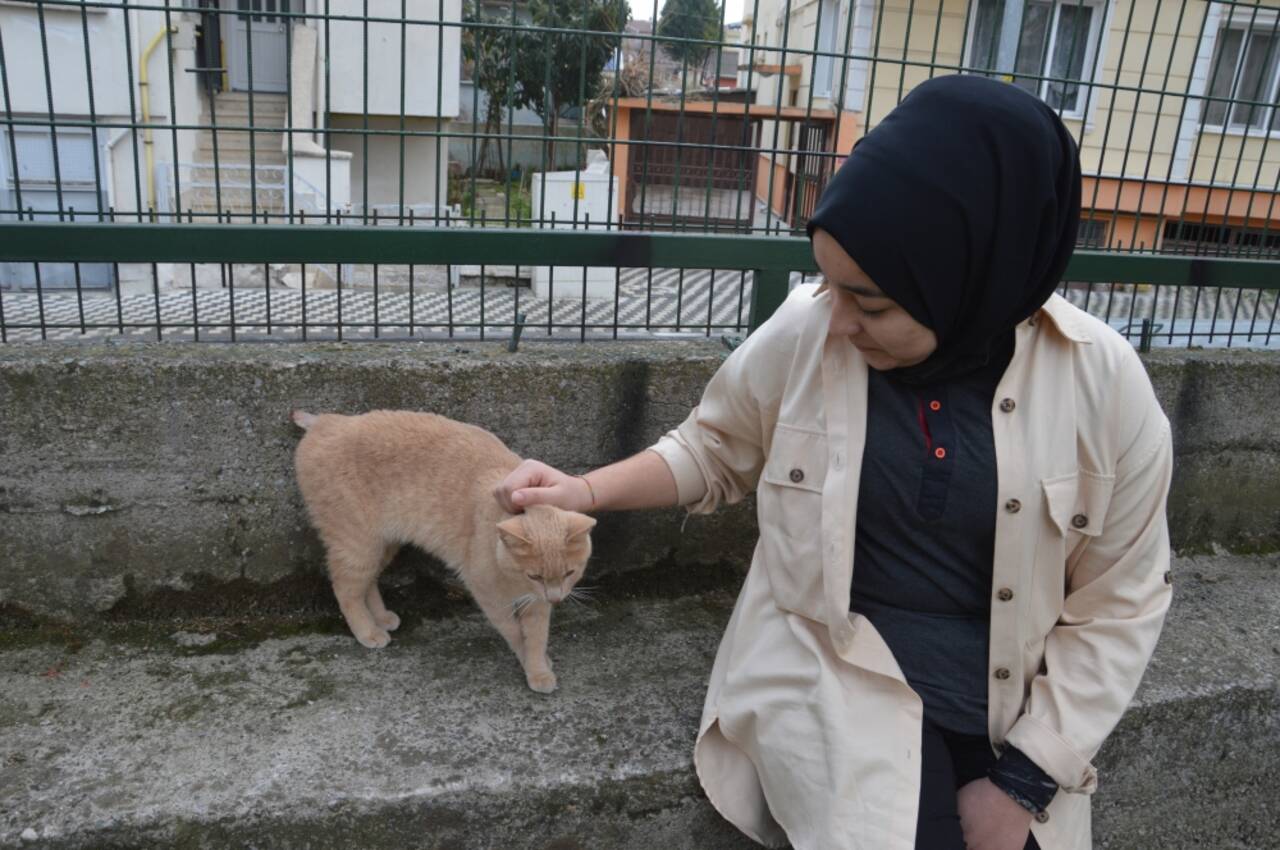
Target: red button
939,453
935,406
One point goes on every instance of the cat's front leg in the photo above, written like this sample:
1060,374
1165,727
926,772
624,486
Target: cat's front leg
535,624
504,620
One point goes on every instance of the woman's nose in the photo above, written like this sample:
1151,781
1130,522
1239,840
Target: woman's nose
844,321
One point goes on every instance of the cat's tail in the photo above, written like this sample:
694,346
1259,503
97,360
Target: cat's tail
303,419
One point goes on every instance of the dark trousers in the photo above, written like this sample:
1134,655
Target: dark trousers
949,762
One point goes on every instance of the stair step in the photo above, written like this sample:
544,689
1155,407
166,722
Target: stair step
242,140
227,159
287,733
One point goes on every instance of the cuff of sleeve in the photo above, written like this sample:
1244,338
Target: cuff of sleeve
1053,755
691,487
1023,780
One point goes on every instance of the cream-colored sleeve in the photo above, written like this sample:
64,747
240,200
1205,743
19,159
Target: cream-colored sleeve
717,453
1116,598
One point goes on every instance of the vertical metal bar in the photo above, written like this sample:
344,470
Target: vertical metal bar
442,155
548,104
175,215
93,113
648,115
715,113
10,131
364,108
253,135
768,292
302,269
48,91
777,123
290,200
133,110
328,113
404,18
475,115
40,301
675,190
1186,99
748,124
79,288
1111,109
155,291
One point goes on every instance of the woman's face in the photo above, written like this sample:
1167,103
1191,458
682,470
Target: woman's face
885,333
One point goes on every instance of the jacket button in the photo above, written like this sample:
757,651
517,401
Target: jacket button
1042,817
1007,405
1013,506
1004,594
1002,673
797,475
1080,520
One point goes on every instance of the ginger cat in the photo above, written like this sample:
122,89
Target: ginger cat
376,481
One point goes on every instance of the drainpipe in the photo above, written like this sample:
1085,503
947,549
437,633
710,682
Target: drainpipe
144,87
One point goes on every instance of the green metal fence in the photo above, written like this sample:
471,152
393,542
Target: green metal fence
286,169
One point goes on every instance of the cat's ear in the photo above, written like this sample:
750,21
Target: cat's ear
577,525
513,533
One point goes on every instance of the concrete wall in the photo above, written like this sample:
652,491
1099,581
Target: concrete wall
134,468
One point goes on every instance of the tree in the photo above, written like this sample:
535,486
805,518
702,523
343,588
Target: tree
485,50
691,19
556,70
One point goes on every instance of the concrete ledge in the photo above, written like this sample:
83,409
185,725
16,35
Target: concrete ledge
149,736
132,469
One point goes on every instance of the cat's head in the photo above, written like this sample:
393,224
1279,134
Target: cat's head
548,547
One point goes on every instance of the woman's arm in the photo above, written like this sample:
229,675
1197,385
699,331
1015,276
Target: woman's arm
639,482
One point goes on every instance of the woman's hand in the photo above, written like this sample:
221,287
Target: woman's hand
535,483
990,818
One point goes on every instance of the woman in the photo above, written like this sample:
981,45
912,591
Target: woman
963,558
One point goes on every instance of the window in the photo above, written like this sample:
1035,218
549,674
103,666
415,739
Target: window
824,66
1192,237
1058,40
1244,69
1092,233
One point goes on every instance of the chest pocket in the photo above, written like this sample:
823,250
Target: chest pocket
1077,505
789,505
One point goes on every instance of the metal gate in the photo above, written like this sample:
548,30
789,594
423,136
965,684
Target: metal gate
703,173
259,34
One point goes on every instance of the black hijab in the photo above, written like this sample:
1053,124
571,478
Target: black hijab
962,205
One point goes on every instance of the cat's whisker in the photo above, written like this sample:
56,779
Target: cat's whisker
520,603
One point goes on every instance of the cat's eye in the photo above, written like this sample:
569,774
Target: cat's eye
534,577
570,574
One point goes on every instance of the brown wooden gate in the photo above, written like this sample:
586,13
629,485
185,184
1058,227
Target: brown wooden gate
692,170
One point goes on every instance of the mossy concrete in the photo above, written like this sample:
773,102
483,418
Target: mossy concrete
134,737
134,473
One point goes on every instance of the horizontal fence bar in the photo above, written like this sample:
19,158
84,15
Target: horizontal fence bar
194,243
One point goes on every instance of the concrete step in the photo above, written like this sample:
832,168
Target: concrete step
219,730
239,140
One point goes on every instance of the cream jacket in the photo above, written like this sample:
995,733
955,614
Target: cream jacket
809,732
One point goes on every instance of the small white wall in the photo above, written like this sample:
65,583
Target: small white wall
433,56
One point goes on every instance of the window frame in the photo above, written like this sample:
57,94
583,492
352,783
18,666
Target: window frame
1265,23
1100,20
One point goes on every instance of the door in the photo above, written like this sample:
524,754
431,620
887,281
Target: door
259,33
37,184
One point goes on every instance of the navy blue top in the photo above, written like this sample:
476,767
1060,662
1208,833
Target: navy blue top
924,550
926,536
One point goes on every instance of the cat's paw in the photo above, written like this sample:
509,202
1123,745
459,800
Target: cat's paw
389,621
543,683
374,639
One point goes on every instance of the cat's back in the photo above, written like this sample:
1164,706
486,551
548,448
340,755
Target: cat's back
402,439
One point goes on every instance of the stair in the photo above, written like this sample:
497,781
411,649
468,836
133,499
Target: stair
238,151
276,729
